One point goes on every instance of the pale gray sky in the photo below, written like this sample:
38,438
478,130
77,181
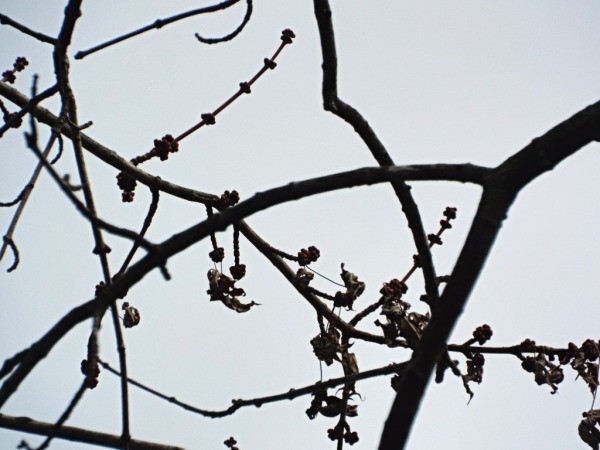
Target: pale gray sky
454,81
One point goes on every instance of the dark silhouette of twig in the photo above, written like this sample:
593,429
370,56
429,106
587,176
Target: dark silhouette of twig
515,350
11,363
269,64
157,24
5,20
69,112
77,434
332,103
8,242
22,194
107,155
64,417
30,357
59,153
234,33
113,229
147,222
35,100
258,402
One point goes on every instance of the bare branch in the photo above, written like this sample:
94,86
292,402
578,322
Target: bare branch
113,229
64,416
157,24
258,402
8,242
332,103
234,33
5,20
39,349
499,192
36,100
77,434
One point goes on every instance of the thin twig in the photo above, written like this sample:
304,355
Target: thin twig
8,242
64,416
69,111
147,222
24,196
157,24
234,33
27,187
5,20
110,228
209,119
258,402
27,107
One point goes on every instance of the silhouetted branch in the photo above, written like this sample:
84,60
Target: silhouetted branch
515,350
332,103
113,229
26,108
28,425
64,416
69,112
8,242
5,20
107,155
500,190
11,363
269,64
157,24
39,349
147,222
22,194
234,33
258,402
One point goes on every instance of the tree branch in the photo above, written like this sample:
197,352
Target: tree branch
77,434
157,24
5,20
500,190
258,402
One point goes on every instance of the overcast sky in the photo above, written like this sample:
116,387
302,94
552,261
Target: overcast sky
453,81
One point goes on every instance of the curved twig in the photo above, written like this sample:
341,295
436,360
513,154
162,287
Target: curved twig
8,242
234,33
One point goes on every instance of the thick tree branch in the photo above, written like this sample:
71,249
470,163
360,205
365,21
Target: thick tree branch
500,190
